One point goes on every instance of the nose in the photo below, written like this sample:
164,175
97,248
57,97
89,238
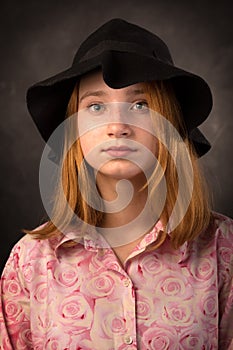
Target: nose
118,130
118,126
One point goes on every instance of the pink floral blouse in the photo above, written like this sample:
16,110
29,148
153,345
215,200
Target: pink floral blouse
56,297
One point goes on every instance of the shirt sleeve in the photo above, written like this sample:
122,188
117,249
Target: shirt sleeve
225,277
14,307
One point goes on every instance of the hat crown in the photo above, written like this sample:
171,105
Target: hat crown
120,35
127,54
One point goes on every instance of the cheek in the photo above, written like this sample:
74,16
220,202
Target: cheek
86,143
149,141
90,140
83,140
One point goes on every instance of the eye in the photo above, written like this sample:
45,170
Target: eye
141,106
96,108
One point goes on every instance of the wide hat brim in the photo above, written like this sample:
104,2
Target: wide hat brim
47,100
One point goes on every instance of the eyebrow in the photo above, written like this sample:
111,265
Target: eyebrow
135,92
98,93
101,93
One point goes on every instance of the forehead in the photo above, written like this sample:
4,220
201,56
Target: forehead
94,81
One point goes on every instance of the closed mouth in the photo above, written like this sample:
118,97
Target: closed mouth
119,151
119,148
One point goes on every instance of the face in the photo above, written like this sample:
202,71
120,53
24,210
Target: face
114,127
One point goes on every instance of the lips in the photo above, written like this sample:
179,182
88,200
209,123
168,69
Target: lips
119,151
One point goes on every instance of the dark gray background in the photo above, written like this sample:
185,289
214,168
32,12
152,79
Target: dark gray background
39,38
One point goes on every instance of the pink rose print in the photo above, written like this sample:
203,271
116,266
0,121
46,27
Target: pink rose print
150,264
76,313
225,254
40,292
99,285
12,287
33,252
65,280
28,272
25,338
160,339
6,344
203,272
56,341
16,256
109,324
209,304
82,342
194,338
112,323
145,309
68,277
104,259
80,298
14,311
177,313
172,287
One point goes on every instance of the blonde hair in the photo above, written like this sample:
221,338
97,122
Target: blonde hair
161,98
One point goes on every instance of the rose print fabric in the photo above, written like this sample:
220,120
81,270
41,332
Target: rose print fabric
57,297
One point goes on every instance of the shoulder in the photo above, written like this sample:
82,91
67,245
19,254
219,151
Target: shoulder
30,250
222,227
222,230
222,220
29,260
216,242
219,231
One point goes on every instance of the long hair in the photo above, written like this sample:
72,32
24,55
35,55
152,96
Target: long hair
161,98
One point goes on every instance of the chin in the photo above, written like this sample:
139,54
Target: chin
121,169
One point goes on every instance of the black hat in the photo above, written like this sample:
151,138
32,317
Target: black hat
127,54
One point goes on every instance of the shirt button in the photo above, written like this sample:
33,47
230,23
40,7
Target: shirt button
128,340
126,282
101,252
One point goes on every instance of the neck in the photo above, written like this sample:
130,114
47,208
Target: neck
122,235
124,200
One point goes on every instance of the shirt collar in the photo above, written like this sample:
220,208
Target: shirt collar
93,241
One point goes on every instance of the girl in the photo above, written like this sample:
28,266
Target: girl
132,256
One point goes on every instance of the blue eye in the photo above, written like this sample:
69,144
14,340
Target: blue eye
140,106
96,108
